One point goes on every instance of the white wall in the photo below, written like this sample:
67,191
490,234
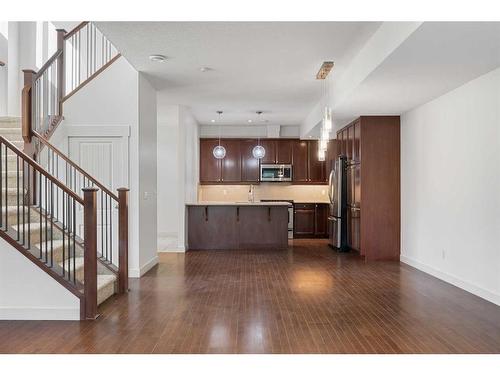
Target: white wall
29,293
450,181
168,176
248,131
112,99
4,32
178,150
147,175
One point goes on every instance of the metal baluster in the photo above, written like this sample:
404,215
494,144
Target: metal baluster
40,210
1,185
106,229
102,225
69,239
63,235
52,223
110,229
29,208
6,187
46,221
74,241
24,204
18,202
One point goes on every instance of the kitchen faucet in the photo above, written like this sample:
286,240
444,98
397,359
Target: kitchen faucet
251,197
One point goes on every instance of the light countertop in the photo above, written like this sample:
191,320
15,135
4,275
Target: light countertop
238,204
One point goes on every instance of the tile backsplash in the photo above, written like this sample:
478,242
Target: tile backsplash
239,193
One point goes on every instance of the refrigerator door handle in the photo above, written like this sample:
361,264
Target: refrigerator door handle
330,186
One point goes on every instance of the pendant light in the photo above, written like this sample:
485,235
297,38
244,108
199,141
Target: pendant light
219,151
258,151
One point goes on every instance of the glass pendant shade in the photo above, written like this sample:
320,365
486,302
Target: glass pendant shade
327,119
321,155
258,152
219,152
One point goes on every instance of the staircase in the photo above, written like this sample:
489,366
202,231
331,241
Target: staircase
51,210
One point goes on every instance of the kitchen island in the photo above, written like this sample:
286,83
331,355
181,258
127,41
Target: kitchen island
238,225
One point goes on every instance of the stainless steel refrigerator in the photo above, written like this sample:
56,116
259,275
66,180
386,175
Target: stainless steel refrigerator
337,192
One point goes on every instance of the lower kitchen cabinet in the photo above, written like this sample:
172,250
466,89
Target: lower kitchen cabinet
310,220
353,228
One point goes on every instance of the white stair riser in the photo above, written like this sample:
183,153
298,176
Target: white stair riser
11,135
104,293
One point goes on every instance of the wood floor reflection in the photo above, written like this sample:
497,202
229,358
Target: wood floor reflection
308,299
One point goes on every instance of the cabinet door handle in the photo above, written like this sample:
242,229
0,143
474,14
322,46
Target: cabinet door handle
269,214
206,213
237,214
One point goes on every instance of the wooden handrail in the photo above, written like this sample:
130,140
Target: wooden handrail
80,26
40,169
74,165
47,64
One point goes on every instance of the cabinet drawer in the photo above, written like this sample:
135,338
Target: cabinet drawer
304,206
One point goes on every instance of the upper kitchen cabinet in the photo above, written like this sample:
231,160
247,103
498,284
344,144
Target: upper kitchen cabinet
317,169
307,169
210,167
250,171
278,151
239,165
231,164
300,171
270,147
284,151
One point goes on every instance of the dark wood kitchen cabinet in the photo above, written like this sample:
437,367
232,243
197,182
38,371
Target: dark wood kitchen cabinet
250,171
372,147
231,164
300,172
317,169
239,165
310,220
278,151
284,151
210,167
307,169
270,147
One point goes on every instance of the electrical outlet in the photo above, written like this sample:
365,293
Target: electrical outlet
224,192
443,254
323,192
146,195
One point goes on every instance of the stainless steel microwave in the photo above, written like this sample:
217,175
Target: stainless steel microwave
275,172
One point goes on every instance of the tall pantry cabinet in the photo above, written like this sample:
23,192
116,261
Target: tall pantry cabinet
372,147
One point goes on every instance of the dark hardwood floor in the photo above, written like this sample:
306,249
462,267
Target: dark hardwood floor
305,300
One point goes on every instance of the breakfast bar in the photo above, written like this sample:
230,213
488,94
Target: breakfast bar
238,225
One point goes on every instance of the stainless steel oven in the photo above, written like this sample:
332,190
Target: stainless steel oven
275,172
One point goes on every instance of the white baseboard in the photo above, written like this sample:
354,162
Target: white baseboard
136,273
173,250
43,313
451,279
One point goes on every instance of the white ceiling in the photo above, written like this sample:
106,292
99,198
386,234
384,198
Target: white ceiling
436,58
267,66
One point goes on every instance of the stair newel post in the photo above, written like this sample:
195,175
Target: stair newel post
123,240
26,112
90,251
26,130
61,74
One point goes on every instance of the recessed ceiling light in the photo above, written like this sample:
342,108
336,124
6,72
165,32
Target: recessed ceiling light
205,69
158,58
249,120
212,120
